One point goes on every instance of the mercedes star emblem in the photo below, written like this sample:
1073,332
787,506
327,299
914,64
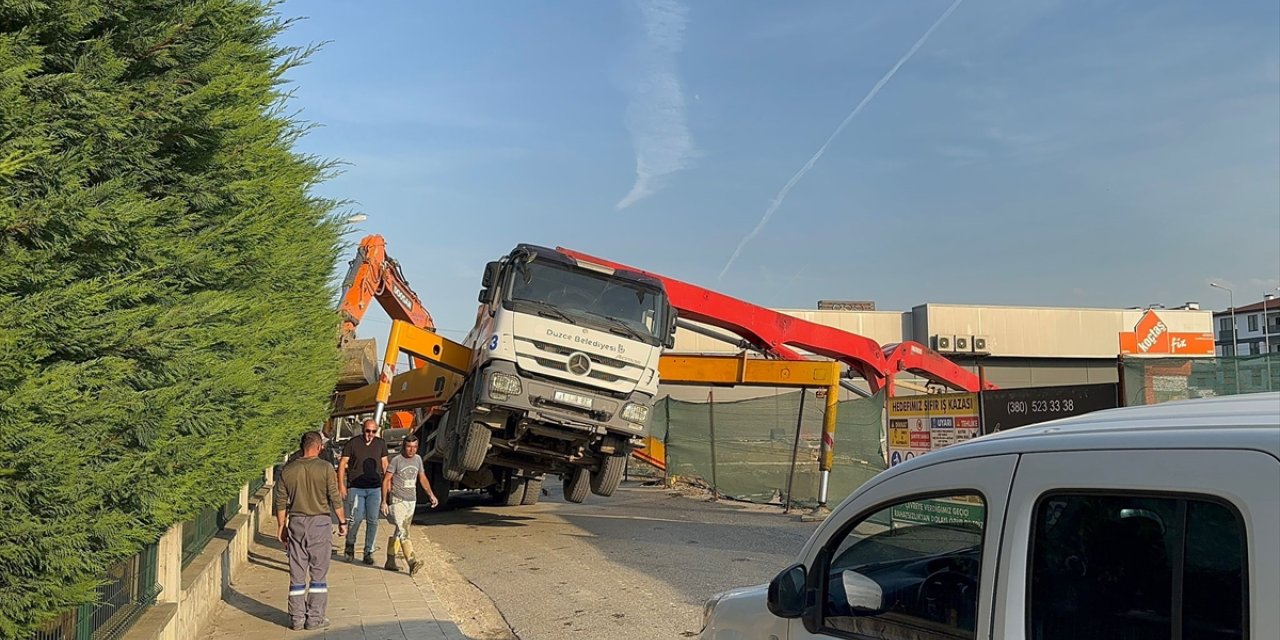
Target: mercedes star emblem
579,364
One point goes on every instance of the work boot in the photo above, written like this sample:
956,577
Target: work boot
368,559
319,624
350,553
392,549
414,565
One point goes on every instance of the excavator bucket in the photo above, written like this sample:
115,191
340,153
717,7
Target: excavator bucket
359,364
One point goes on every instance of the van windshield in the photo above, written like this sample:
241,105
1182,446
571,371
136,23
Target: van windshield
586,297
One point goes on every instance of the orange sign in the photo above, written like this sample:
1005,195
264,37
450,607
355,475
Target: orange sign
1151,336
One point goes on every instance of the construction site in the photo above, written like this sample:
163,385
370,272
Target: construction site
673,320
804,398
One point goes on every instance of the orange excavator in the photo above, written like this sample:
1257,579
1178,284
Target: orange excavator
374,275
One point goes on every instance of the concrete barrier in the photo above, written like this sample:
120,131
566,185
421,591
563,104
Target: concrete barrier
189,596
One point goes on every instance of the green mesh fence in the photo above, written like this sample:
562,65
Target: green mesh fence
1155,380
754,441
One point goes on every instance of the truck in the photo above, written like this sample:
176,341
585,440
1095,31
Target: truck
557,377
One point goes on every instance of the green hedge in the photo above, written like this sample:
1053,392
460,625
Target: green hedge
166,318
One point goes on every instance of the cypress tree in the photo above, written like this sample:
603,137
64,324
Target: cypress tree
166,317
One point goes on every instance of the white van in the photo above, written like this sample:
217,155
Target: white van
1139,523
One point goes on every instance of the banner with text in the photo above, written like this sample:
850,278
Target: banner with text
920,424
1011,408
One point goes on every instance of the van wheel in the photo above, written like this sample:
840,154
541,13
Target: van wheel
577,484
532,490
607,480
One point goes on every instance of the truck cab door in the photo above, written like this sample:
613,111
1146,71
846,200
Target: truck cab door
912,557
1141,544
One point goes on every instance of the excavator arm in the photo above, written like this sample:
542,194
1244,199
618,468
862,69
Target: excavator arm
374,275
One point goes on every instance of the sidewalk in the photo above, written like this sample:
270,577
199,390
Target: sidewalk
365,603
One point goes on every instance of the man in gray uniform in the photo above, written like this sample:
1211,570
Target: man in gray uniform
306,498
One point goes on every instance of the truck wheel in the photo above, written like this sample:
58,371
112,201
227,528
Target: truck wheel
439,428
577,484
435,475
449,467
473,446
532,491
609,477
513,493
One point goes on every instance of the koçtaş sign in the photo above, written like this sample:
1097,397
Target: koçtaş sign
1151,336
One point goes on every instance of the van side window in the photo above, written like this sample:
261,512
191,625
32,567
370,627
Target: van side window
1124,567
909,570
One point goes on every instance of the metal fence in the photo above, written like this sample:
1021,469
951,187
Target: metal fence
766,449
257,483
1156,380
229,510
128,589
197,532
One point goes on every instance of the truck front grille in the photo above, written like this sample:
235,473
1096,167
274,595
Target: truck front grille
560,366
565,351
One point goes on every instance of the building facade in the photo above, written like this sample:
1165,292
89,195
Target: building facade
1012,346
1257,328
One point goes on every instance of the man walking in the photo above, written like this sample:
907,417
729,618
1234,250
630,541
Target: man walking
305,498
400,500
360,470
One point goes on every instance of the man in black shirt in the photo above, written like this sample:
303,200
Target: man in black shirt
360,471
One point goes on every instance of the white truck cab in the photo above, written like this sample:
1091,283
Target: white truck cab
1136,523
564,373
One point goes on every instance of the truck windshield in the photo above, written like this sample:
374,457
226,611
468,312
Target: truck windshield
607,302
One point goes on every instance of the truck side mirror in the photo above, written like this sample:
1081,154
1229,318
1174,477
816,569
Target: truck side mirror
490,274
486,295
670,342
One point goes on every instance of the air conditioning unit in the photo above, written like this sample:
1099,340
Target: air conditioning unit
962,343
979,344
944,343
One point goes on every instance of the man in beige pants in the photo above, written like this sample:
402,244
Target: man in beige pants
399,500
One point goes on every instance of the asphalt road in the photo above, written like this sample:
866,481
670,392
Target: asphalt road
637,565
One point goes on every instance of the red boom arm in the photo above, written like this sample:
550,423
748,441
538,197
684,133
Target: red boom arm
773,333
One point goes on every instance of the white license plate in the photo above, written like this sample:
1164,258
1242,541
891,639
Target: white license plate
573,399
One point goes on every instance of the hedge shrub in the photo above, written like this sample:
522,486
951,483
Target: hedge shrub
166,303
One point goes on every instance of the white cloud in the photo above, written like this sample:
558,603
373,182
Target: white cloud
656,114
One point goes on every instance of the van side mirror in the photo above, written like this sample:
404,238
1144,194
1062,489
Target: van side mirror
490,274
787,592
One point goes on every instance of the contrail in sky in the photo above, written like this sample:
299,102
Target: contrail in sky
782,194
656,114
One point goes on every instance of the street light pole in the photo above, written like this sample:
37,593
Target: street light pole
1266,336
1235,335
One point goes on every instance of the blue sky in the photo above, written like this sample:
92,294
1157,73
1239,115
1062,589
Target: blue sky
1079,153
